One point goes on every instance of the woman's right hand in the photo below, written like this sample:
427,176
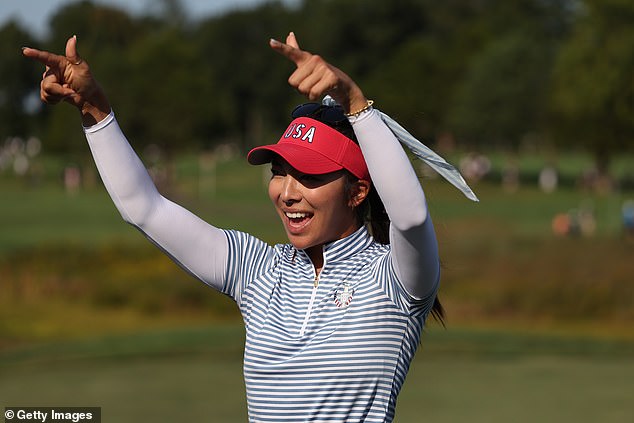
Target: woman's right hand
68,78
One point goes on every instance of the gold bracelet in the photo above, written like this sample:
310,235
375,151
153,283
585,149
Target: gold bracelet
365,108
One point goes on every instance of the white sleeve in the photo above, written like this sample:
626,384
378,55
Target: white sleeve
412,235
198,247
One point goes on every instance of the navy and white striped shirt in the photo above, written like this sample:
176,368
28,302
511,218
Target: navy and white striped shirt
330,349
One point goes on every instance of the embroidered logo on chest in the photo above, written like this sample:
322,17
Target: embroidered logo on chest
343,295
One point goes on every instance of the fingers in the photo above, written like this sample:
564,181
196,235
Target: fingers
54,93
314,78
44,57
55,60
63,80
51,91
289,51
71,51
291,40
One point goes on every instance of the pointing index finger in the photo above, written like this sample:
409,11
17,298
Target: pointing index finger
44,57
296,55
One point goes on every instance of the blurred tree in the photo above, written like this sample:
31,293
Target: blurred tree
416,77
18,81
248,97
593,95
415,94
480,69
161,90
502,96
359,35
104,33
98,27
172,11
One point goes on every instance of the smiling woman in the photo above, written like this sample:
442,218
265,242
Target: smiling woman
334,317
312,165
315,209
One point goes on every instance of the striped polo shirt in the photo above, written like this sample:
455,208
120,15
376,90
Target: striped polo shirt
333,348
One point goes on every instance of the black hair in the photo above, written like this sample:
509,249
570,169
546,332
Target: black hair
371,212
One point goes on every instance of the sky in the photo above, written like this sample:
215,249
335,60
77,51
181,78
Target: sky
34,14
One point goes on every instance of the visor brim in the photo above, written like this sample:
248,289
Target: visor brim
303,159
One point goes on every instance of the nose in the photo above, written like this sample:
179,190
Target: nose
290,191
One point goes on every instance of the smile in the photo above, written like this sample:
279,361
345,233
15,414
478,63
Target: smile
297,215
297,220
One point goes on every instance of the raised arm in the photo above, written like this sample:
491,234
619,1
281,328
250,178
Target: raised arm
412,236
198,247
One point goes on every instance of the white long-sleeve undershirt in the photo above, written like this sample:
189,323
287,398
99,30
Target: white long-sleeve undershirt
412,235
201,248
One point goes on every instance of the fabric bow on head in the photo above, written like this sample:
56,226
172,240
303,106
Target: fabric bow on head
424,153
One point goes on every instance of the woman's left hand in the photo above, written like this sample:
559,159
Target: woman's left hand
314,77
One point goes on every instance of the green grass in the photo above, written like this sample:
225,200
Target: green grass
37,210
33,214
194,374
185,375
501,261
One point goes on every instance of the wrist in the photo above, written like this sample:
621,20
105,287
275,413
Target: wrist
354,101
95,110
360,108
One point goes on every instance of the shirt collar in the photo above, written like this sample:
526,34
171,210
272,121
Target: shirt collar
343,248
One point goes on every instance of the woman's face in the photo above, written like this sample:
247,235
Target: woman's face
315,209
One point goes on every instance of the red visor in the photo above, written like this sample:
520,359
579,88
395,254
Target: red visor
314,148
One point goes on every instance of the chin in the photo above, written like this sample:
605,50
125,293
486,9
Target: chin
299,243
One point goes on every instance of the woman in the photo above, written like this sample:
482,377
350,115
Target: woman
333,318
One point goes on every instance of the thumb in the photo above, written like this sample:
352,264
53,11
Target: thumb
71,51
291,40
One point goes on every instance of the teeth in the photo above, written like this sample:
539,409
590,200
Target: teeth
296,215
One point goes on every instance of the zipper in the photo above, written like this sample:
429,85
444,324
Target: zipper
310,303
